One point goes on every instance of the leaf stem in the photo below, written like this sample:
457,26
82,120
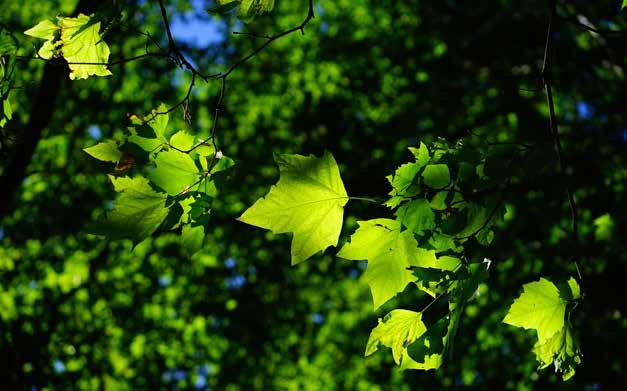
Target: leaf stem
364,199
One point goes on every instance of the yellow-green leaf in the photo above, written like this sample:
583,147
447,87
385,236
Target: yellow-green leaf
107,151
540,308
308,201
83,48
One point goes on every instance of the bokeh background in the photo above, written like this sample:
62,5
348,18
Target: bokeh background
366,80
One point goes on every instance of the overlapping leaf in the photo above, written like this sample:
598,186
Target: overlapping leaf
389,252
399,329
542,307
138,211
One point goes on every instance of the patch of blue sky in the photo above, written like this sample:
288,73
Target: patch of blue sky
196,28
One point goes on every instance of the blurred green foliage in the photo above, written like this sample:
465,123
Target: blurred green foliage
365,81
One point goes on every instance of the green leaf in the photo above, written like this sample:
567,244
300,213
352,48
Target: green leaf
107,151
192,238
540,308
182,140
561,350
223,7
436,176
176,172
604,226
442,243
389,253
308,201
421,154
7,111
159,120
429,351
8,45
624,4
46,29
417,216
575,290
248,9
138,211
403,180
397,330
81,43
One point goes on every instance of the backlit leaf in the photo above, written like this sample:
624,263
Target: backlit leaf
308,201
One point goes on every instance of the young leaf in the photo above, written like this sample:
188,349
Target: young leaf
106,151
397,330
82,44
138,212
308,201
389,253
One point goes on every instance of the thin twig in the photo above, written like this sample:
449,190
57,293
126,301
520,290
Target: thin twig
546,80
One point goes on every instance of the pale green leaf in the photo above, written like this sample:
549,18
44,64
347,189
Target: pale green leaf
107,151
45,29
397,330
175,173
308,201
182,140
389,253
83,48
159,119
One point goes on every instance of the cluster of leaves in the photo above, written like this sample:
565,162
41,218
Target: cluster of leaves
179,190
443,204
78,40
